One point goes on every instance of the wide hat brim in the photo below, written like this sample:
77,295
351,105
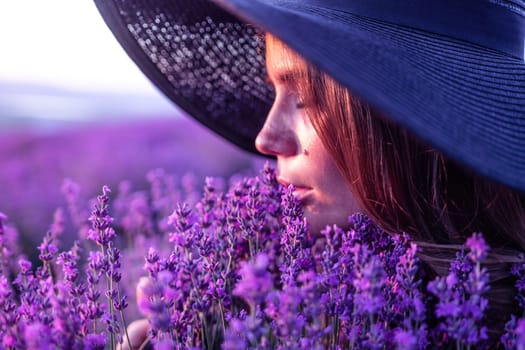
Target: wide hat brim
466,100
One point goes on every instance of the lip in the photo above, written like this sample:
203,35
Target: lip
300,191
302,194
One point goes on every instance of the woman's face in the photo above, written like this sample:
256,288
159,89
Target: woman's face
302,160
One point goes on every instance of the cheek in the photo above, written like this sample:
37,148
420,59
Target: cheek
324,166
332,186
334,201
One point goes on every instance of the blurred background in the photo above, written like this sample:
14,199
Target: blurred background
74,106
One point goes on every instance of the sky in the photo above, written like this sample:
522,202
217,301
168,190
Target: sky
64,43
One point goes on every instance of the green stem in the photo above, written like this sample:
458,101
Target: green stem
109,283
223,321
124,324
112,312
250,244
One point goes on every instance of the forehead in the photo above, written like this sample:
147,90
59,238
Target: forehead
280,58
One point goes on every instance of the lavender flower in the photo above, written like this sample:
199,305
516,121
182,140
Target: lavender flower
5,251
294,238
101,231
369,283
514,338
108,263
47,249
38,336
518,271
136,215
69,324
71,191
478,248
237,336
95,342
58,225
412,333
369,300
461,303
256,281
239,269
520,331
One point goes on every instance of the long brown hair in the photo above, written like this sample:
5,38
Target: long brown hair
408,186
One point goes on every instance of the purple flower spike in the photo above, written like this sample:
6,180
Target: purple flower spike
38,336
518,271
182,220
256,281
478,247
57,227
152,262
234,338
520,331
405,340
95,342
25,266
462,304
101,231
5,251
369,285
47,249
514,337
71,192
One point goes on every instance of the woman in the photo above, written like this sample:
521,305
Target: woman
412,112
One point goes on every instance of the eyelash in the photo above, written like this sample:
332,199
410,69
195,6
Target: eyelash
300,103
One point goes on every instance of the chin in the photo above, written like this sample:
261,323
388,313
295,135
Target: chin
315,222
318,220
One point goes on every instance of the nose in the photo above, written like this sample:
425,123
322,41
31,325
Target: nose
277,136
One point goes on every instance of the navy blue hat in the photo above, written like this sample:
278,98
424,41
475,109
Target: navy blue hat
450,71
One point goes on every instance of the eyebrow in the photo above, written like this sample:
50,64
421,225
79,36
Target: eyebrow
286,77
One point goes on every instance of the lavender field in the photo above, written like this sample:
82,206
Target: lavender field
236,269
35,164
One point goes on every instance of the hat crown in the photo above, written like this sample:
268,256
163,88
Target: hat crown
494,24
